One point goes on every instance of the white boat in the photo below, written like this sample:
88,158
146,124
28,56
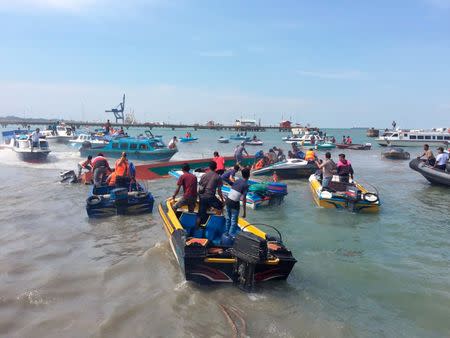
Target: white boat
223,140
254,143
94,141
22,147
415,138
62,134
305,138
289,169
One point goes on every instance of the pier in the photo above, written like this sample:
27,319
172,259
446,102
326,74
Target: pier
4,122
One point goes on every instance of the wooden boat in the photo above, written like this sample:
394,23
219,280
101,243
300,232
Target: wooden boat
260,194
107,201
206,254
354,146
351,196
146,149
433,175
161,170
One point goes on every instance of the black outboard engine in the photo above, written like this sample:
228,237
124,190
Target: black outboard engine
249,250
353,195
68,177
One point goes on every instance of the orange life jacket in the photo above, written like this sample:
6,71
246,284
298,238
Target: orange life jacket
112,179
121,168
259,164
310,156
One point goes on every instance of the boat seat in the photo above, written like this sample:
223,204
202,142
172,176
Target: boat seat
215,227
188,220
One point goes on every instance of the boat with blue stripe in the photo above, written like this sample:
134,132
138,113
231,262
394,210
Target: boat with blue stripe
260,194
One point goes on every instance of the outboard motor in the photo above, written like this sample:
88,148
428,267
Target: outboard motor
249,250
353,195
68,177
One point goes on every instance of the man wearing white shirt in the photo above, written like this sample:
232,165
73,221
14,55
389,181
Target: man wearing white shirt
441,159
35,138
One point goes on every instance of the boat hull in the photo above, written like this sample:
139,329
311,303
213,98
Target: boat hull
157,155
434,176
109,206
336,202
287,171
410,143
187,140
202,267
354,146
59,139
32,156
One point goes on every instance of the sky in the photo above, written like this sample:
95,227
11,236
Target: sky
327,63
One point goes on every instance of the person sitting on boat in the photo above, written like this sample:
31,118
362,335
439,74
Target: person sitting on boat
34,138
428,154
220,162
333,139
310,155
261,163
237,193
291,155
101,167
280,154
271,156
189,183
255,138
441,159
173,143
86,164
122,171
239,152
230,175
344,169
349,140
208,185
344,140
121,131
328,168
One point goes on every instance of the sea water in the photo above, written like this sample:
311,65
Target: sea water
358,275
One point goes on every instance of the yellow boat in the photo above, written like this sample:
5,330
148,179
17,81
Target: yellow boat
207,254
339,195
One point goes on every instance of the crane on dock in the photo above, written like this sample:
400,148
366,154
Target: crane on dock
118,111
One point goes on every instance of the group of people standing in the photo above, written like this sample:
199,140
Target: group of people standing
328,168
209,187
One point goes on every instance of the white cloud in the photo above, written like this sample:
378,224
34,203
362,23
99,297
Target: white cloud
339,75
216,53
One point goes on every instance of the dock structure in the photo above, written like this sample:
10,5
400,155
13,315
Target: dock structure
4,122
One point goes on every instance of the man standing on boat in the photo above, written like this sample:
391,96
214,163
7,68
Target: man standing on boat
238,153
122,171
208,185
173,143
344,169
35,136
189,184
237,193
328,169
101,167
107,127
220,161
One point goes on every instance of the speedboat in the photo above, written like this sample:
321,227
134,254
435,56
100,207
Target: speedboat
254,143
433,175
107,201
150,149
188,139
290,168
223,140
324,146
339,195
306,139
395,153
96,142
260,194
239,137
61,134
354,146
22,147
206,254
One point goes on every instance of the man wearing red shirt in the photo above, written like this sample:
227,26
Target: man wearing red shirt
189,184
220,161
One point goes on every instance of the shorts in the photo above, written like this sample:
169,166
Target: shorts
205,204
189,201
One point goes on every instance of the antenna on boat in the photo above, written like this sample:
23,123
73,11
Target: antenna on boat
118,111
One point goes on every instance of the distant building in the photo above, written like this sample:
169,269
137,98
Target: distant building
285,124
210,123
245,123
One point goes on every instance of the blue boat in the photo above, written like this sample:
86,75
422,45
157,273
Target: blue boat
11,135
239,137
260,193
141,148
108,201
188,139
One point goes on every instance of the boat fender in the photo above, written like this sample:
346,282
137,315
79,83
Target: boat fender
94,200
370,197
